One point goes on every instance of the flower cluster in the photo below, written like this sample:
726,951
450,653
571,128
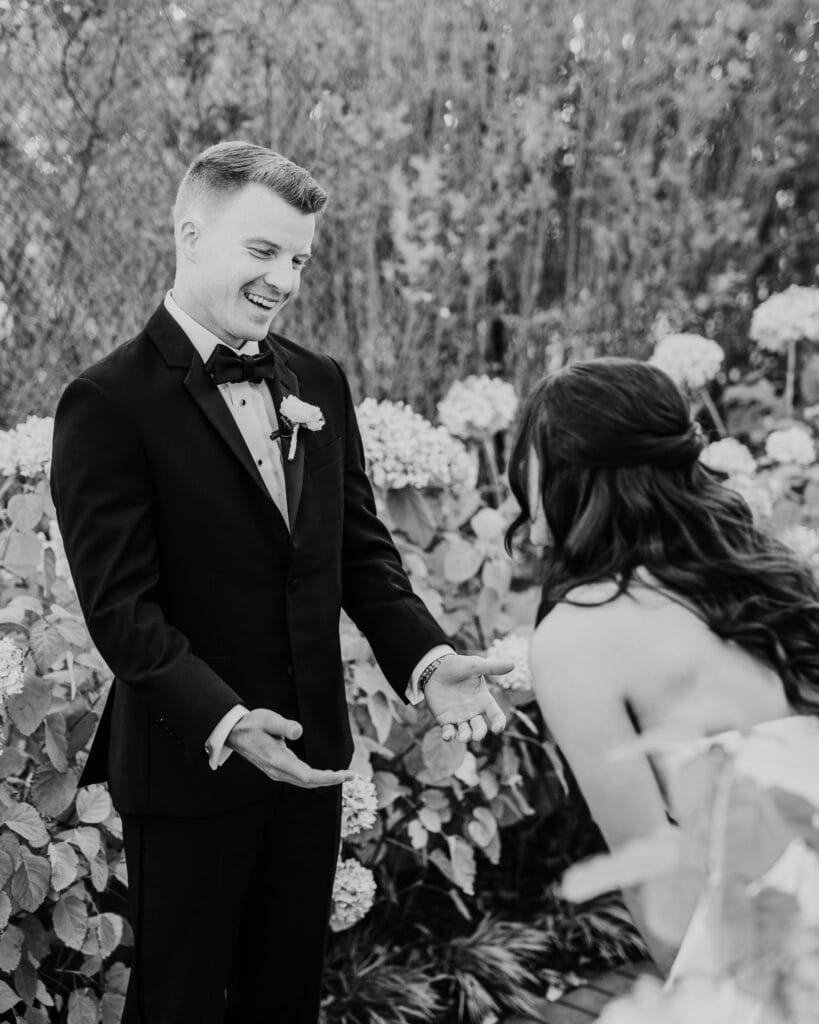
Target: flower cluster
27,448
785,317
405,450
359,805
757,498
793,445
12,675
478,407
690,360
803,540
729,456
353,894
515,648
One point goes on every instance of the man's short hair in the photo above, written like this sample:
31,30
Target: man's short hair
229,166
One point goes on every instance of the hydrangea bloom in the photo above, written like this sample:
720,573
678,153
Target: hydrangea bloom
758,498
359,804
27,448
12,675
690,360
515,648
729,456
353,894
405,450
786,316
803,540
791,445
478,407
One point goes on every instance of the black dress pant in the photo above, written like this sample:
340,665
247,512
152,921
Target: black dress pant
230,913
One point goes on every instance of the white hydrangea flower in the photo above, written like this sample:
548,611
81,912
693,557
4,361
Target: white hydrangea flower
478,407
690,360
12,675
803,540
405,450
513,647
758,498
353,894
793,445
729,456
359,806
786,316
27,448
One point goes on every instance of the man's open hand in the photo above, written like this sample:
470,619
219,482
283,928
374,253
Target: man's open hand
260,738
458,697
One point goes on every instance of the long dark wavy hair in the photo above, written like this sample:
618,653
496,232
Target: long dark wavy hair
622,486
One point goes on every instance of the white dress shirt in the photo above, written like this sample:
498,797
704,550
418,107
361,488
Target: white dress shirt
252,408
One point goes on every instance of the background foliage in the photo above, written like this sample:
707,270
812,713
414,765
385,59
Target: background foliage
510,181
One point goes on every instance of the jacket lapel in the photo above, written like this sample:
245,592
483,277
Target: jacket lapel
178,351
283,384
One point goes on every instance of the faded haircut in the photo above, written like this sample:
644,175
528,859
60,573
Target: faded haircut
229,166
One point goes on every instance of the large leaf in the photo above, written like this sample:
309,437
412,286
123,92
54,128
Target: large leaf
8,997
11,946
99,872
28,709
462,857
64,865
30,882
5,912
83,1007
25,981
55,741
86,839
412,515
113,1005
81,732
462,560
70,920
380,715
12,762
47,644
53,791
23,552
441,757
93,805
25,511
104,934
7,866
26,822
388,788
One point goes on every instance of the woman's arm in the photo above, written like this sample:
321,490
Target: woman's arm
581,662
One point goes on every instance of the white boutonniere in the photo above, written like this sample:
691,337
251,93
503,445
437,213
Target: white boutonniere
299,414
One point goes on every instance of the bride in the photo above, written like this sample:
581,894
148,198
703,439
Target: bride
665,610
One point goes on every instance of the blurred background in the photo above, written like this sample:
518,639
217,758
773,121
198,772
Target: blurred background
511,181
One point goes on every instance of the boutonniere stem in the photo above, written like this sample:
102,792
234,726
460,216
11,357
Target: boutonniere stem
297,414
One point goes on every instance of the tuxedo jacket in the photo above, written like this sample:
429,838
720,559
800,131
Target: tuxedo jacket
194,590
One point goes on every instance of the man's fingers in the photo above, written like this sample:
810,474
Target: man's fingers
448,732
493,666
478,727
495,717
278,725
464,732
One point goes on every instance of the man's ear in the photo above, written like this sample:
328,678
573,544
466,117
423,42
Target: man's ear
189,237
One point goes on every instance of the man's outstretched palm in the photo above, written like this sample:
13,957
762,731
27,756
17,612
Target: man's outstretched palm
459,699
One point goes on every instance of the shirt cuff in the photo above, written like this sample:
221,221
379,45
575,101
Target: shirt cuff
411,692
215,745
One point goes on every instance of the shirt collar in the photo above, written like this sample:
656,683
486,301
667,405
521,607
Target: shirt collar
203,340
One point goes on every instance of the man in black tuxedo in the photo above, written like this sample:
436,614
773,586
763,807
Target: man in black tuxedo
213,542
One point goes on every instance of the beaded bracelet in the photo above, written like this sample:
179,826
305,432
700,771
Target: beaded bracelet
428,672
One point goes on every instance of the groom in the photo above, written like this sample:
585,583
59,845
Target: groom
213,541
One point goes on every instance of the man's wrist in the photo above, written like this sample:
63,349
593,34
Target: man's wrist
431,669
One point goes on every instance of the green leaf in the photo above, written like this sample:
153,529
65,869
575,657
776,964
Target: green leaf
36,1014
30,882
47,644
8,997
23,552
26,822
11,945
12,762
412,515
482,827
441,757
488,524
5,912
93,805
86,839
55,741
418,835
431,820
113,1005
462,856
83,1007
25,511
388,788
380,715
53,791
73,631
28,709
70,920
116,978
462,560
65,865
104,934
25,981
81,732
7,866
99,872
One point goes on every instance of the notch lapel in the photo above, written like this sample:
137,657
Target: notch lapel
283,384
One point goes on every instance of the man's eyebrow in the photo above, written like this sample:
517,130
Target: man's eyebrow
267,244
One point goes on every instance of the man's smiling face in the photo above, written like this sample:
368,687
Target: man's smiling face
242,256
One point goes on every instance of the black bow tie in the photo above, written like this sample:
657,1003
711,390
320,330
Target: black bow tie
226,366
